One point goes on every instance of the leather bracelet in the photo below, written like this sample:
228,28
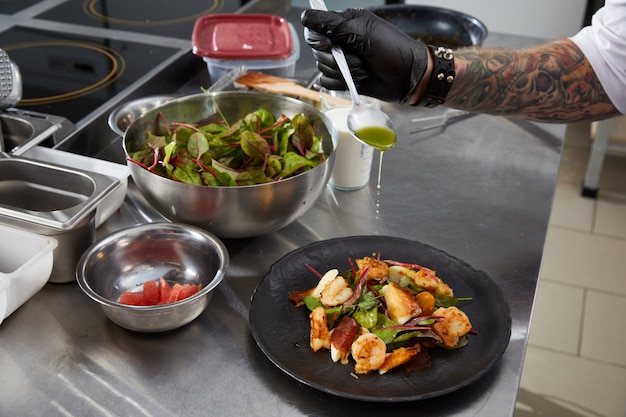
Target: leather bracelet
442,76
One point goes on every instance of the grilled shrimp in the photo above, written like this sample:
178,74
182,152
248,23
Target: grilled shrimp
455,324
320,336
369,352
336,292
328,276
332,289
377,269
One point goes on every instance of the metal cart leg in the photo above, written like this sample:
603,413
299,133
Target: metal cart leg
596,158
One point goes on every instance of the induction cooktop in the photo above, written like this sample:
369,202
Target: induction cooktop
76,55
11,7
157,17
71,75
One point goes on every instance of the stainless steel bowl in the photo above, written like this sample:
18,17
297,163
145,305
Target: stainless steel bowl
124,115
127,258
233,212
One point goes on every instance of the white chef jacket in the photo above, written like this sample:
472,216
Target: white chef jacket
604,45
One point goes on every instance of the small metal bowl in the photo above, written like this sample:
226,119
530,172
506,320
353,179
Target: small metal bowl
125,259
124,115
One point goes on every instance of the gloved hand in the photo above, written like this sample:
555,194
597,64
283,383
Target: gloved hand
385,62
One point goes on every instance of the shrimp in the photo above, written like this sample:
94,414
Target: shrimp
377,269
369,352
320,336
425,279
454,324
336,292
328,276
332,289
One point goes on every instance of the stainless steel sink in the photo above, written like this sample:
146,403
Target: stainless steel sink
22,129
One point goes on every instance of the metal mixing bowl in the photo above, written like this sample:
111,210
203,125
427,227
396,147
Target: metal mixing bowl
127,258
238,211
125,114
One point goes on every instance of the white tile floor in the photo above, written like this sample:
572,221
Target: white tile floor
576,359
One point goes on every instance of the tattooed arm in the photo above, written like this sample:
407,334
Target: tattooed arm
553,82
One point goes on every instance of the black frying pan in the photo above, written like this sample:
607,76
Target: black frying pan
434,25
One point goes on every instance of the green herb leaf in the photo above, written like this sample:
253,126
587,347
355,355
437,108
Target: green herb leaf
445,300
387,335
367,318
197,145
294,164
368,300
254,145
312,302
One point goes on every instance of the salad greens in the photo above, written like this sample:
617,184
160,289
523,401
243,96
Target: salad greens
257,149
383,313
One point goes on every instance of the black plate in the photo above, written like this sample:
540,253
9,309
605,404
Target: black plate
282,331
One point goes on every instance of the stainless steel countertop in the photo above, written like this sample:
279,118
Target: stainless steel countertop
480,190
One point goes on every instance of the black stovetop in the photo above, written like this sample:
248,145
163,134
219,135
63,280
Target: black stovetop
71,75
171,18
76,55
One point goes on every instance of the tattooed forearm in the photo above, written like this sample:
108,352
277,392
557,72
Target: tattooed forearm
553,82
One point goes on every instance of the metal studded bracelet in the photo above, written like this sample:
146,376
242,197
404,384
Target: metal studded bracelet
442,76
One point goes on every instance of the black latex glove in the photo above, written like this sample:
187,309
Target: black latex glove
385,62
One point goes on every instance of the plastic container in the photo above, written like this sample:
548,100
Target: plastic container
262,42
26,262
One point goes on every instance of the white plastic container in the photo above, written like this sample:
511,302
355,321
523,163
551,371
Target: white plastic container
25,265
112,201
262,42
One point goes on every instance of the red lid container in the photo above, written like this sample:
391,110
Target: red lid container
242,36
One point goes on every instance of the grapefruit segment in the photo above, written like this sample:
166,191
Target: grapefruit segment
187,291
132,298
150,293
162,293
174,293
